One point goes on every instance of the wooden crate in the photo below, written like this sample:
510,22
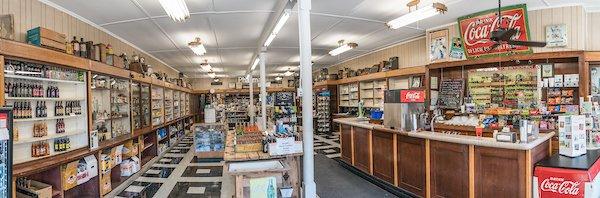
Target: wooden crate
39,189
47,38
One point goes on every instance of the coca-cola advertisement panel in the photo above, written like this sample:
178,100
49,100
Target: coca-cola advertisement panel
555,182
476,30
412,96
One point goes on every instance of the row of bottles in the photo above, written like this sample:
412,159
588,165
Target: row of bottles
40,149
42,71
272,138
30,89
22,110
60,126
62,144
41,111
70,108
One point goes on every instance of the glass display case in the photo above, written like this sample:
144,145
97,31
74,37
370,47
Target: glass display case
140,103
121,123
47,103
157,106
110,107
168,105
176,104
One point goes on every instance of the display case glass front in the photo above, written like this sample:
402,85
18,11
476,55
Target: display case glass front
168,105
176,104
140,103
121,123
47,103
157,106
101,124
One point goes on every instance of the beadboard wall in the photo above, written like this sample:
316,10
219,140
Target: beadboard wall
582,32
29,14
204,83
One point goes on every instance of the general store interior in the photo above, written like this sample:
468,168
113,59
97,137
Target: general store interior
300,98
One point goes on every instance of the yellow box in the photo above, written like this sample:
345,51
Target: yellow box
69,175
105,185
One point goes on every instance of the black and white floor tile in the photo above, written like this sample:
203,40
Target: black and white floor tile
178,173
328,144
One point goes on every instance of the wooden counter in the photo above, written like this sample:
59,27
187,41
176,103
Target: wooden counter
428,164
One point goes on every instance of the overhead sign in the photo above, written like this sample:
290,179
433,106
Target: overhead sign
476,30
412,96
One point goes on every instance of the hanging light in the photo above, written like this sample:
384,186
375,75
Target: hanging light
176,9
288,73
216,80
212,75
255,64
197,46
282,20
205,66
417,15
278,78
342,48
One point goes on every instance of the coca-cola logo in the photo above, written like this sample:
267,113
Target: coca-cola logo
476,31
412,96
479,31
560,186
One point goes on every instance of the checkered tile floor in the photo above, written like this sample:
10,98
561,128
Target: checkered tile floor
178,173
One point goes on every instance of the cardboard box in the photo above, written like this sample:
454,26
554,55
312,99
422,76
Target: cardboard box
69,175
38,189
87,169
105,184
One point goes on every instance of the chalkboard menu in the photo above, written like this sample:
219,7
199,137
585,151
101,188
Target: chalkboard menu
451,94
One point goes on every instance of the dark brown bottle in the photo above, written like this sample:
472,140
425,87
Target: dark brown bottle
75,47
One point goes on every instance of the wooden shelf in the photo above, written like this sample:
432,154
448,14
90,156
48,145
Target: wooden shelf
42,79
48,137
44,99
45,118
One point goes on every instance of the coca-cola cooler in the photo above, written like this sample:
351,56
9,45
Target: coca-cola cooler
569,177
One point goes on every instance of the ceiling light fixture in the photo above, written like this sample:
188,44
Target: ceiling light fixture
417,15
278,78
205,66
282,20
212,75
176,9
255,64
288,72
216,80
342,48
197,46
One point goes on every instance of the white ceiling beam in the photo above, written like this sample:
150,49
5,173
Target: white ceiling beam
191,14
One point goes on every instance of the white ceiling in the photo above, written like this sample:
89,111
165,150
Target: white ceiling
232,29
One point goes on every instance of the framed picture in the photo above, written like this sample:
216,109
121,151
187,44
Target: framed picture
456,49
556,35
416,82
547,70
438,45
434,82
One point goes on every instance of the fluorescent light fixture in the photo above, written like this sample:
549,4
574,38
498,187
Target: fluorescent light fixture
269,40
176,9
417,15
282,20
197,47
255,64
278,78
343,48
212,75
288,73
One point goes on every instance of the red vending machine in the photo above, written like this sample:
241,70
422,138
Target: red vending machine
562,176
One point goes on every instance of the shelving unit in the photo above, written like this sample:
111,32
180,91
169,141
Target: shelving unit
71,87
140,103
157,106
176,104
371,92
120,107
168,104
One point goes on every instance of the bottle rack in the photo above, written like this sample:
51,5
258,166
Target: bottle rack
36,92
285,109
157,106
323,111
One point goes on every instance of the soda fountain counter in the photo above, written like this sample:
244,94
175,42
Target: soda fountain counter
562,176
431,164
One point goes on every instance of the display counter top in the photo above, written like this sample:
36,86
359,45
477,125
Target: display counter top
232,156
458,139
583,162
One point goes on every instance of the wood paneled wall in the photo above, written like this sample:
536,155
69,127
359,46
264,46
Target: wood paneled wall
593,31
29,14
204,83
582,35
410,54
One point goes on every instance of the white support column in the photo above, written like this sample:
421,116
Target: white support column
263,90
251,107
310,190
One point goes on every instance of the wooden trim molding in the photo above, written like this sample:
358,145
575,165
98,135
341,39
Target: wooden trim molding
534,56
471,171
24,50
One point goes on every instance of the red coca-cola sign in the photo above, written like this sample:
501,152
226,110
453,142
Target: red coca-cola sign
476,30
568,183
412,96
